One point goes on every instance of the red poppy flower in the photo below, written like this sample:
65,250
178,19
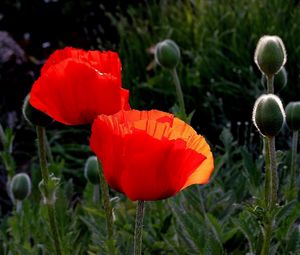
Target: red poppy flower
150,155
76,85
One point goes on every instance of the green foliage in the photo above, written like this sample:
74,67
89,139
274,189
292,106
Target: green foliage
219,79
217,42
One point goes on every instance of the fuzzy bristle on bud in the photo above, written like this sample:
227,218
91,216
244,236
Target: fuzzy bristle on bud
91,170
167,54
33,116
292,111
270,54
268,115
280,80
20,186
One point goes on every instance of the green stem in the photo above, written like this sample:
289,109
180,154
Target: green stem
273,169
45,175
48,149
138,232
294,162
268,175
179,93
19,205
267,238
270,84
271,187
106,204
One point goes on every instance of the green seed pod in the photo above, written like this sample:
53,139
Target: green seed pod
20,186
280,80
167,54
91,170
268,115
33,116
292,112
270,54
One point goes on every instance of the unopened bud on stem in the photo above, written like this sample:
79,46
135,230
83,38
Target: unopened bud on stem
20,186
270,54
91,170
268,115
167,54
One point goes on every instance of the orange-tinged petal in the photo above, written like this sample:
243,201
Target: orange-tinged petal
203,172
150,155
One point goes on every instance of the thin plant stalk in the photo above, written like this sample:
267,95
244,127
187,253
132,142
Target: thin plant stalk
270,84
268,175
138,231
106,204
267,233
45,175
179,93
48,149
294,162
272,178
19,206
273,168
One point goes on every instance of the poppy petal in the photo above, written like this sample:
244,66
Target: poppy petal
74,93
104,62
150,155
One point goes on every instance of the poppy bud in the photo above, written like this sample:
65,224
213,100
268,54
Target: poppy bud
34,116
280,79
20,186
292,112
91,170
268,115
167,54
49,191
270,54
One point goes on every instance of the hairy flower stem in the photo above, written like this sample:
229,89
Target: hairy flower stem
294,164
270,84
48,149
19,205
45,175
271,187
273,168
106,204
138,232
268,175
179,93
267,233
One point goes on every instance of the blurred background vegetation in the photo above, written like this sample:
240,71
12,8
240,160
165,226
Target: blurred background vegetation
219,79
